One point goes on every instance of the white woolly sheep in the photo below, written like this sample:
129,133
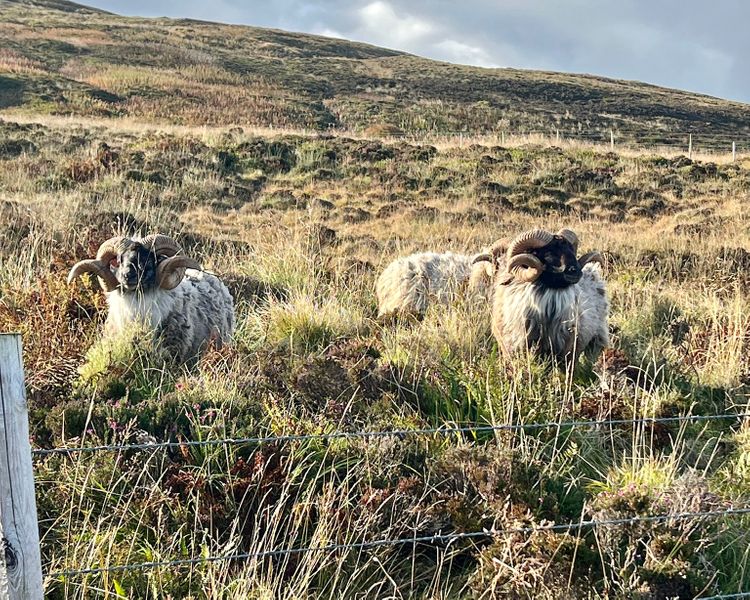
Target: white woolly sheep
411,283
547,300
150,282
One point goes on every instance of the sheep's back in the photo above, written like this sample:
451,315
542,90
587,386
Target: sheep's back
593,328
201,310
409,283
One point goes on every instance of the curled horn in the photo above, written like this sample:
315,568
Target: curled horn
161,245
525,267
529,240
491,254
484,256
591,257
171,270
100,265
571,237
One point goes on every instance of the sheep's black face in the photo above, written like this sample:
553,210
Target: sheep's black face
136,269
561,267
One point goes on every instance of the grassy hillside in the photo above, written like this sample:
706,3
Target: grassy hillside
62,58
299,227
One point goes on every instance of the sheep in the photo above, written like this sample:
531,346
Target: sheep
547,300
149,281
409,284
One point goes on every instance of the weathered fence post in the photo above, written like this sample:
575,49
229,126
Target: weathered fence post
734,152
611,140
21,566
690,145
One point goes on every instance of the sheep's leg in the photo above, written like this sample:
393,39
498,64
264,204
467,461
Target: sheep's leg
214,338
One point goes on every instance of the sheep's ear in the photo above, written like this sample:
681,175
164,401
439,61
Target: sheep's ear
505,278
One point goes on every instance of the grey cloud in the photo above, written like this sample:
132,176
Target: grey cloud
688,44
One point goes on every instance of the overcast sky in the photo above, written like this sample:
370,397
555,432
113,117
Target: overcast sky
688,44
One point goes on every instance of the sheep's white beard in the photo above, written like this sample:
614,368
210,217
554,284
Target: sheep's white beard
550,312
147,308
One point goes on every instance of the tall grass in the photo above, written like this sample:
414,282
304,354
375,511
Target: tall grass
309,357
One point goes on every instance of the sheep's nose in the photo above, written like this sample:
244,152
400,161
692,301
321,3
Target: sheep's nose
573,273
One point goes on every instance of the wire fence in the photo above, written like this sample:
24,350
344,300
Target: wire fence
401,433
437,538
424,539
734,143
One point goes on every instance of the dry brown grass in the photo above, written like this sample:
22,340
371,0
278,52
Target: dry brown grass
299,227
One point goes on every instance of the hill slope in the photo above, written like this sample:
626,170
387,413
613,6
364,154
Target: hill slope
299,227
61,57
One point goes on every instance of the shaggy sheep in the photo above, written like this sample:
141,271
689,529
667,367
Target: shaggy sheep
411,283
549,301
150,282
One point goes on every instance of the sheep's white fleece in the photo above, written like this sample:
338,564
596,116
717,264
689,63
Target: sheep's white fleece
562,323
409,284
184,319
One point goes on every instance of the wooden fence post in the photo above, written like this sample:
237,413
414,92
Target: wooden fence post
734,152
21,569
690,145
611,140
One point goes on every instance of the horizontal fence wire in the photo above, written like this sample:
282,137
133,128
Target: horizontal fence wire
425,539
604,135
719,142
725,596
402,433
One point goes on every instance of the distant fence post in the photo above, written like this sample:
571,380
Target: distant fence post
690,145
20,562
611,140
734,151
